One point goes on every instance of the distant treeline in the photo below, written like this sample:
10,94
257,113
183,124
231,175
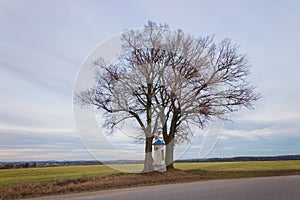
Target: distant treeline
244,158
16,165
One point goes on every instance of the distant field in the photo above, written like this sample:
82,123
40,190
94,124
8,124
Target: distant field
48,174
242,166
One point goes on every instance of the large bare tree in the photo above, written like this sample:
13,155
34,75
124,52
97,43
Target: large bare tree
167,80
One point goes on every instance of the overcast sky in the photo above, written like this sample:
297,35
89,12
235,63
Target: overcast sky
44,43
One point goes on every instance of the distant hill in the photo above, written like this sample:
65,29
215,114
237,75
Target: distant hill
15,165
244,158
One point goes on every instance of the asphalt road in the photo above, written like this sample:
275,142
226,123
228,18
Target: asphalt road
273,188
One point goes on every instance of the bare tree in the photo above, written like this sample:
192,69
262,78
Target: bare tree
166,81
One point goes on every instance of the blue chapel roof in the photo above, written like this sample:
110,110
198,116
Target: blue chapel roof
158,142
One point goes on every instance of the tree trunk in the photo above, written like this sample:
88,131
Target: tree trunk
169,154
148,162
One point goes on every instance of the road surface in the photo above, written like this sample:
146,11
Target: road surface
273,188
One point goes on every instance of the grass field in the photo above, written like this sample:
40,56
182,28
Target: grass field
48,174
241,166
34,182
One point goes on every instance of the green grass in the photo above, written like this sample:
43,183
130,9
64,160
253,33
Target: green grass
127,168
242,166
48,174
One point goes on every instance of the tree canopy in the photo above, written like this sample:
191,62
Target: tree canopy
167,80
